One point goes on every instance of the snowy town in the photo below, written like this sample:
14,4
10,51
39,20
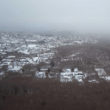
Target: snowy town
18,50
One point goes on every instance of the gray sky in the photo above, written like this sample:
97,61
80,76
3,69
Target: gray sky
51,15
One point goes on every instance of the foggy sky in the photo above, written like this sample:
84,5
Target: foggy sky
55,15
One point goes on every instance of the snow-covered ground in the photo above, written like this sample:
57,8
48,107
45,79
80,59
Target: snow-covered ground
33,49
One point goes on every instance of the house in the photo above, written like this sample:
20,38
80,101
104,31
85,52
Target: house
40,74
66,75
100,71
78,75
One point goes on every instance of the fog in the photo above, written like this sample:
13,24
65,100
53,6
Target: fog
83,16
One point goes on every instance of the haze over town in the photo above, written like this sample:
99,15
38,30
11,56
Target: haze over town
81,16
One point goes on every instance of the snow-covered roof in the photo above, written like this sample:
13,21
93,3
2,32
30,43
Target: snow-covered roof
100,71
76,69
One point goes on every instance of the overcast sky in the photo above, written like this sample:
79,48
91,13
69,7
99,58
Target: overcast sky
50,15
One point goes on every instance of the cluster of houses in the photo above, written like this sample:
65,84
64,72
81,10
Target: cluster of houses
67,75
35,49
